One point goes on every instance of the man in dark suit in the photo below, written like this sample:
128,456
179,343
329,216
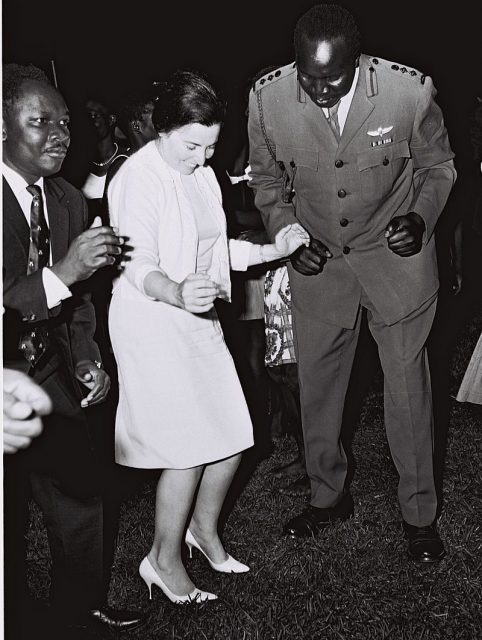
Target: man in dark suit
361,144
48,327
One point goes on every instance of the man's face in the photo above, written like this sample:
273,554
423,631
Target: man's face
145,126
101,120
325,70
36,131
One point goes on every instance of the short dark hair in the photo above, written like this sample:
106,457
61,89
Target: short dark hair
187,97
327,21
132,107
13,76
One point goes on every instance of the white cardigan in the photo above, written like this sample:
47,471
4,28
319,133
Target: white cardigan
148,205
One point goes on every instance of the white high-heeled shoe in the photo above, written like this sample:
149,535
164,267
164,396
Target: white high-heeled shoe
228,566
150,577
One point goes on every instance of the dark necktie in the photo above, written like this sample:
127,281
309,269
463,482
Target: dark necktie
39,250
35,342
333,119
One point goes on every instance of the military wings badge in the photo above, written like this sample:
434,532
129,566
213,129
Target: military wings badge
381,131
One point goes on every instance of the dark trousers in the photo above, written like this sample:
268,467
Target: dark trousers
325,358
68,495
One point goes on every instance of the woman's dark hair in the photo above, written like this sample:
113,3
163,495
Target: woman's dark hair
186,97
327,21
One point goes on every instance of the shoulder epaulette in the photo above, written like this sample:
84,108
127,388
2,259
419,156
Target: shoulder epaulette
276,73
397,68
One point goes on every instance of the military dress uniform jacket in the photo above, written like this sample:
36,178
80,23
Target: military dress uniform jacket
393,157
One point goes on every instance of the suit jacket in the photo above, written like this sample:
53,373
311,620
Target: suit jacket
393,157
70,325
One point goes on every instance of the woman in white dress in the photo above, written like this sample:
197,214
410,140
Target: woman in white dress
181,407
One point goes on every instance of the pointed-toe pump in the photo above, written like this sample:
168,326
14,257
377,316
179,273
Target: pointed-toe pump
150,577
228,566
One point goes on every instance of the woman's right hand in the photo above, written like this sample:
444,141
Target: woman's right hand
196,293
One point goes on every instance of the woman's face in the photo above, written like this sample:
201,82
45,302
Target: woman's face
187,148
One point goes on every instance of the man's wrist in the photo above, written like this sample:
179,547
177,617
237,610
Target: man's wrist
63,274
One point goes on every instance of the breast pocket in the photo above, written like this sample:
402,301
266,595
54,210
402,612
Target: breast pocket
380,167
301,164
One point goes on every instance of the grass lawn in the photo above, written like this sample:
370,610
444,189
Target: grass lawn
352,582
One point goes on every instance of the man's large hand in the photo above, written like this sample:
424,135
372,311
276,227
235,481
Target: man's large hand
405,233
24,402
95,248
310,260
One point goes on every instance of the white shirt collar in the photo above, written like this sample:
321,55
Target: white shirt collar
345,102
15,181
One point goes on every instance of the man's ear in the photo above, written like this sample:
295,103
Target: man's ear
112,119
136,125
4,130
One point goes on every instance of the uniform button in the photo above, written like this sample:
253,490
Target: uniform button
395,67
270,77
343,222
30,264
413,73
23,346
341,193
338,164
32,317
375,61
403,70
278,73
346,250
385,162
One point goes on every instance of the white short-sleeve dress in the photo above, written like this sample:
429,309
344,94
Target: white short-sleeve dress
180,399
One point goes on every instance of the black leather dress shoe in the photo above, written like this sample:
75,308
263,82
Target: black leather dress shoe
313,519
117,619
424,544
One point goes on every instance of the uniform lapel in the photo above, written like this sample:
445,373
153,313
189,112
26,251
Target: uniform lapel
315,124
58,213
360,109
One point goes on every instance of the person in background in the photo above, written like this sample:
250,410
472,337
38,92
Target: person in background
107,148
181,406
135,121
280,360
48,326
354,148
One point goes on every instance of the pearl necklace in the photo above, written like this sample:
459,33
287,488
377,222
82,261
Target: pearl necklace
102,164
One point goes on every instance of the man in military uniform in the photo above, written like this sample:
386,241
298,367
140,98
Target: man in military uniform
355,149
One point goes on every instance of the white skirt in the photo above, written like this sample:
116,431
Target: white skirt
180,400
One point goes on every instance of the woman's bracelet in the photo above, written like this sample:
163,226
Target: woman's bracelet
261,253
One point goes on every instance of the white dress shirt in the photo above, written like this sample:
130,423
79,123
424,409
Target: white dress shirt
55,289
345,103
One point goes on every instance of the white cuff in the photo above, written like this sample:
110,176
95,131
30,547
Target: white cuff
55,289
239,251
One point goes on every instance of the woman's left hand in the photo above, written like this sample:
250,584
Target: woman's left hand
291,238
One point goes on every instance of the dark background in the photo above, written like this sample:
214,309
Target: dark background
105,48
